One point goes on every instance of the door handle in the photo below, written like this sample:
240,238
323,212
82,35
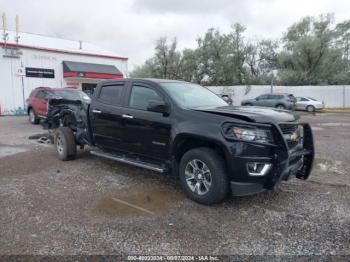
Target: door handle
96,111
128,116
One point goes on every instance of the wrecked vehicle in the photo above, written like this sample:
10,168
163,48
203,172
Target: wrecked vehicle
184,129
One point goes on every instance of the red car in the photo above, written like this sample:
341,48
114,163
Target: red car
37,102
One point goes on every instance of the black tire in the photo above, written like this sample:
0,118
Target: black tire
310,108
65,144
280,106
33,119
219,180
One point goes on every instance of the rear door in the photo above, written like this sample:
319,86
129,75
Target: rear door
261,100
106,112
40,104
273,100
146,133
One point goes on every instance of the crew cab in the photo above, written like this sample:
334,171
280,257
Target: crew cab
186,130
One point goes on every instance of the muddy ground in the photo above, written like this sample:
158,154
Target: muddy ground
78,207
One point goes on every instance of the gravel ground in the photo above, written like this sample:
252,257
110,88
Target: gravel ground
49,207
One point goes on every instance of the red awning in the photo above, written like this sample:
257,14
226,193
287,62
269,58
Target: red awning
88,70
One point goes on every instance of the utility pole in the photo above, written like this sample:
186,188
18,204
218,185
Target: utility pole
272,84
17,37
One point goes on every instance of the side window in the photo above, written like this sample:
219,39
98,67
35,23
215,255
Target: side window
262,97
303,99
42,95
140,97
39,94
111,94
33,93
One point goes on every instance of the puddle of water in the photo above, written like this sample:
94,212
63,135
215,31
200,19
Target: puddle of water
335,124
8,151
141,204
315,128
327,165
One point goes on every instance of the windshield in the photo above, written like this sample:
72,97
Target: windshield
71,95
188,95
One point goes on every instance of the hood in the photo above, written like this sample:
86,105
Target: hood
253,113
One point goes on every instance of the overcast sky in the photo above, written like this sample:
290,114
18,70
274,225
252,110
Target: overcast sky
131,27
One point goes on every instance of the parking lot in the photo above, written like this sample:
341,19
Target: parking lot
78,207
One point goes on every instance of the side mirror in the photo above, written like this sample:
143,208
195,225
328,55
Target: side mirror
158,107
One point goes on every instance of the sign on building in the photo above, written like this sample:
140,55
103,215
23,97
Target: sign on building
40,72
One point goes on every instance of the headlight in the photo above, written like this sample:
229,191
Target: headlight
247,133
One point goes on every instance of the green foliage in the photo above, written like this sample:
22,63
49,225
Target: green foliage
310,56
312,52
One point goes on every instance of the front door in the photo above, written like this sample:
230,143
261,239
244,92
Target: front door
146,133
106,117
301,103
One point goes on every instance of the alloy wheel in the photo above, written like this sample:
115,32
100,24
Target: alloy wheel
59,145
31,116
198,177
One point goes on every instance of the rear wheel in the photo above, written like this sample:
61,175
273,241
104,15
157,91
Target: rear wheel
280,106
66,147
310,108
33,119
203,176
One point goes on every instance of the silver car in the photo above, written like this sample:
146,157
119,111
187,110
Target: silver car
309,104
278,100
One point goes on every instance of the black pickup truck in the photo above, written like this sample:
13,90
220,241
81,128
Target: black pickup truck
186,130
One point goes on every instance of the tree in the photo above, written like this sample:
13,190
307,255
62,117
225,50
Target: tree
312,51
343,38
165,63
309,56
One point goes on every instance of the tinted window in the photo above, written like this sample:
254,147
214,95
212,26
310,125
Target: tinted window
140,97
262,97
42,95
313,99
33,93
111,94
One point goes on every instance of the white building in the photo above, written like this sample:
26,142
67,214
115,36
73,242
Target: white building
46,61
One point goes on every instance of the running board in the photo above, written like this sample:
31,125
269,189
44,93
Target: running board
130,161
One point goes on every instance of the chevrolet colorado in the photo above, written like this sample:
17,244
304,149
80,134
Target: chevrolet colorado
184,129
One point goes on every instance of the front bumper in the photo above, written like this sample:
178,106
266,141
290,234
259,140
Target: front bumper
287,160
319,106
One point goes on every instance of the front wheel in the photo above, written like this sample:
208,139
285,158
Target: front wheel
203,176
310,108
280,107
65,145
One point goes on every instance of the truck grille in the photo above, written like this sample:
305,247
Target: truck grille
288,130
